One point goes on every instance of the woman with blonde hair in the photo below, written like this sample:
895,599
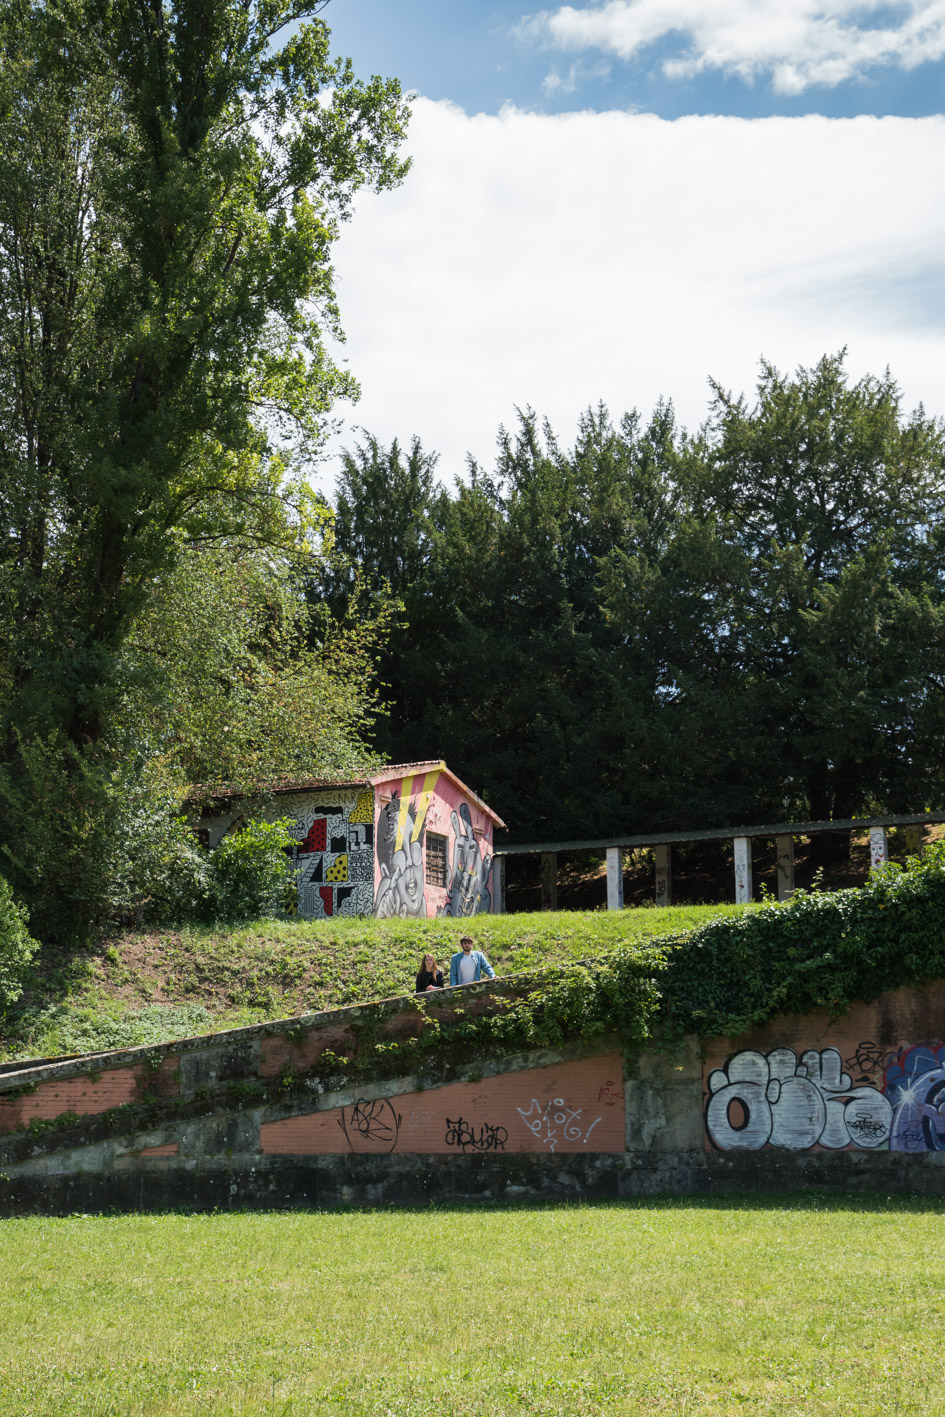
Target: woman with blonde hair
430,976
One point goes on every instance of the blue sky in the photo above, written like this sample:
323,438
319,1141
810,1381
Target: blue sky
475,53
616,199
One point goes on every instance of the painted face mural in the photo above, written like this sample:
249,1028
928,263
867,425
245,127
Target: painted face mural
400,859
469,886
401,834
776,1099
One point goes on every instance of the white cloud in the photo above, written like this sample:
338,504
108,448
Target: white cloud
558,260
578,73
797,42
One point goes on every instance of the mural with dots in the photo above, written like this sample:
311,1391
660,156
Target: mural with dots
334,829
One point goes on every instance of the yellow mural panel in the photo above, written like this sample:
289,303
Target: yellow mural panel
363,814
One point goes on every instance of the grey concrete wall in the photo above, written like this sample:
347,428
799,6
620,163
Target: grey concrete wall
184,1125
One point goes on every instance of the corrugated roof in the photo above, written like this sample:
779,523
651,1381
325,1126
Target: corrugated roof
374,779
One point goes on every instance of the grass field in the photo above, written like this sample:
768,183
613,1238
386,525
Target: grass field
163,984
794,1307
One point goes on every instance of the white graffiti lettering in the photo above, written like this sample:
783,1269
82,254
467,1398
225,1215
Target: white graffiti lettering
759,1100
556,1121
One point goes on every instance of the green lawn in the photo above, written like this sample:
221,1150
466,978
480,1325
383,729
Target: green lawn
163,984
791,1306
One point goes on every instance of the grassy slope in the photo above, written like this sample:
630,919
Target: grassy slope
144,988
787,1307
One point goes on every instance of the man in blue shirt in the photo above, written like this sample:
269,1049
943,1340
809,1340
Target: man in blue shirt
468,965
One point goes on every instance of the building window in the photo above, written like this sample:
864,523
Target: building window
436,860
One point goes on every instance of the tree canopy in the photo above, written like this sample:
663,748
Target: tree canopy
172,177
655,630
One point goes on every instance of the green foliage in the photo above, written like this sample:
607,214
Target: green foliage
655,630
237,678
252,871
276,968
619,994
172,179
96,1025
158,871
16,946
819,951
650,976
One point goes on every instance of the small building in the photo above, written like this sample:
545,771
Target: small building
408,840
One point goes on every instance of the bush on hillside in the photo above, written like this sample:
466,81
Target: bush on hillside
817,951
16,946
160,872
163,875
252,873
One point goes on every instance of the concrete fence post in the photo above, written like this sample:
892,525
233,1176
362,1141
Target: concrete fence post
614,878
549,880
879,848
785,848
662,860
742,870
498,885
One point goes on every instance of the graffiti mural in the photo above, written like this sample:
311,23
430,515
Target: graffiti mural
404,887
403,843
894,1102
335,853
566,1107
400,835
469,883
915,1085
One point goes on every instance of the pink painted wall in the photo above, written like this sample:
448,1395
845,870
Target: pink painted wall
408,811
571,1107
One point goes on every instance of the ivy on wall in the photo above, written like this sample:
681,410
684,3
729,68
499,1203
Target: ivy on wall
817,951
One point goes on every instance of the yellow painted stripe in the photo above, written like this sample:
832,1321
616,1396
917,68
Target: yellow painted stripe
426,797
405,792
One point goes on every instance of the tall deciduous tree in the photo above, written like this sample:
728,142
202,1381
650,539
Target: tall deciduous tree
172,177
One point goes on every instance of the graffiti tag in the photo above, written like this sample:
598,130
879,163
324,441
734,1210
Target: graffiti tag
556,1121
466,1137
868,1060
370,1125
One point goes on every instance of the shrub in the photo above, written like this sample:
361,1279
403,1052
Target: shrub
16,946
252,873
159,870
819,951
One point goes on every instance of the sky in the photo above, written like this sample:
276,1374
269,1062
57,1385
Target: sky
618,200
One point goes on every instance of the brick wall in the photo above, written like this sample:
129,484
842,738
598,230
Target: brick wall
255,1116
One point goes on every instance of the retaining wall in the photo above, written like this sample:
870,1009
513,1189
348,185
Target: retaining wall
269,1117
